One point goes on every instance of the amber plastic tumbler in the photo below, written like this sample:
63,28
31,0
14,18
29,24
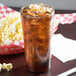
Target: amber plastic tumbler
37,32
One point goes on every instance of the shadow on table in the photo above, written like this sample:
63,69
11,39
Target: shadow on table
67,30
20,72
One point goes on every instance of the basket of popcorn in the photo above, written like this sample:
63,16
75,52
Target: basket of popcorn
11,36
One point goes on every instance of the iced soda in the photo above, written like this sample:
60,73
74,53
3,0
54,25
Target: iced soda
37,25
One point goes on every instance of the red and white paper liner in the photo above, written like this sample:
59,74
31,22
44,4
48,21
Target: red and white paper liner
13,48
18,46
66,18
4,10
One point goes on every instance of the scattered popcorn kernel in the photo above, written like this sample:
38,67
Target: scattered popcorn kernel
3,66
7,67
0,67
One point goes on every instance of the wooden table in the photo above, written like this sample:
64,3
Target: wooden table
18,60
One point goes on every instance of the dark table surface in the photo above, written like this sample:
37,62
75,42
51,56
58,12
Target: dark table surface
18,60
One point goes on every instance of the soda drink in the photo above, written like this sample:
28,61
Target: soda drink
36,21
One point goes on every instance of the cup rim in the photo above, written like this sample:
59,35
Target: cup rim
51,14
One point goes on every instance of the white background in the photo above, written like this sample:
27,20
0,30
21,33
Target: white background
57,4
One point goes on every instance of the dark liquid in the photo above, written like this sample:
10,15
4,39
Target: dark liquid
37,34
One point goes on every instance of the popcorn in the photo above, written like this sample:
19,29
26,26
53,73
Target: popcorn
0,67
10,29
6,67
